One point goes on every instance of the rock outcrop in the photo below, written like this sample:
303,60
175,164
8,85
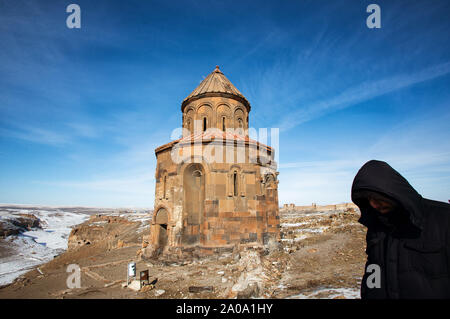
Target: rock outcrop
105,231
18,223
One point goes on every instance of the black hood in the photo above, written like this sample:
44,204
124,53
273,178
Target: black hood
379,177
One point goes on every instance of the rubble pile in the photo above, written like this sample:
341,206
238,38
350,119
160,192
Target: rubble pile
298,226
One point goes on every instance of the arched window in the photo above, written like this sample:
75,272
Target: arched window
197,173
235,184
223,123
204,124
188,125
164,183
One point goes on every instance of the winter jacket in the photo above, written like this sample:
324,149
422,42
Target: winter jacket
410,245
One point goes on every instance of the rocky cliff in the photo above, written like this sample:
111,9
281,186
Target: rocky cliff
16,224
106,231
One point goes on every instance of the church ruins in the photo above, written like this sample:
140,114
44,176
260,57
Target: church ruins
215,187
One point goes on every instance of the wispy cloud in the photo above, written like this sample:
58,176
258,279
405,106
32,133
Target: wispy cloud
36,135
84,130
363,92
59,135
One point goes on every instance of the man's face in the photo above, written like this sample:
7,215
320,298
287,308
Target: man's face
381,206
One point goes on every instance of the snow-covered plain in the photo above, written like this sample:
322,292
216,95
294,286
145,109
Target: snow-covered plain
36,246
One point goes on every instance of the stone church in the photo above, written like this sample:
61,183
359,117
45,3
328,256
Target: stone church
215,187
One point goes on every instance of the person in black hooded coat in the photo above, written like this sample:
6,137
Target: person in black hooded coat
408,236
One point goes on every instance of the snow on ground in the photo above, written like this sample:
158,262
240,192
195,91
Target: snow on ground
314,230
299,225
56,227
37,246
329,293
28,255
287,225
297,214
143,217
299,238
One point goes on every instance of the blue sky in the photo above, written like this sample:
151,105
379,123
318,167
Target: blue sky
81,111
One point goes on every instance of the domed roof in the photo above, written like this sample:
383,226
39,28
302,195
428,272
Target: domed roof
216,84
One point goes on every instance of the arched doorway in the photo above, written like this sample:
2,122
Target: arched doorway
194,197
161,221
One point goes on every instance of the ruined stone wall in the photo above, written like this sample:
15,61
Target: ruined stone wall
314,207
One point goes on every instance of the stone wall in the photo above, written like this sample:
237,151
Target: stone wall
315,207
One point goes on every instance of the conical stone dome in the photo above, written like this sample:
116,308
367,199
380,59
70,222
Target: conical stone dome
216,84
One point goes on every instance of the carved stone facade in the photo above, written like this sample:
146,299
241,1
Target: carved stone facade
215,187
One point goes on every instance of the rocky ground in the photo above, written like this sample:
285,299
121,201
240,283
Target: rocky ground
321,256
